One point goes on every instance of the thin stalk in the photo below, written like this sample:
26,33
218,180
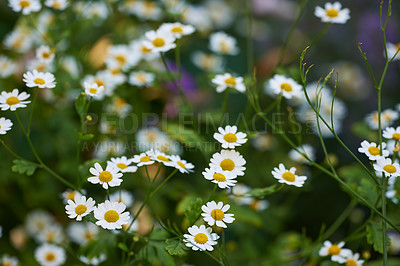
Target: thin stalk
9,150
32,109
225,102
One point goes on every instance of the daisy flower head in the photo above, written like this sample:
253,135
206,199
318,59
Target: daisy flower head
123,164
387,118
79,207
228,160
280,84
392,133
222,43
94,90
45,54
200,238
51,234
50,255
70,194
36,221
386,166
229,137
332,13
25,6
5,125
224,179
142,159
13,100
393,146
160,157
93,260
121,56
215,213
111,215
207,62
57,4
7,67
228,81
299,158
393,51
7,260
122,196
82,232
288,176
39,79
182,165
141,78
336,251
372,151
159,41
109,177
350,259
139,47
177,29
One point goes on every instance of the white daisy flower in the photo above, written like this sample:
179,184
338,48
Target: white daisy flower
228,160
5,125
392,50
150,138
36,221
207,62
239,194
51,234
119,106
39,79
82,232
79,207
177,29
139,47
350,259
109,177
215,213
39,66
141,78
71,66
224,179
148,10
159,41
229,138
306,149
122,196
336,251
160,157
110,215
372,151
93,260
7,67
259,205
391,193
183,166
70,194
332,13
45,54
288,176
25,6
280,84
392,133
385,165
393,146
200,238
115,73
123,164
13,100
50,255
121,56
7,260
134,227
94,90
387,118
57,4
197,16
102,79
228,81
222,43
19,40
142,159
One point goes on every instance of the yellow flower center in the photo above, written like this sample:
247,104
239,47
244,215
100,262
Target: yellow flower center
141,77
286,87
56,5
162,158
219,177
224,47
119,102
396,136
177,29
99,82
122,166
158,42
201,238
145,50
41,68
120,58
50,256
12,100
230,137
39,81
89,236
227,165
105,176
145,159
351,262
70,195
24,4
151,136
93,90
334,250
288,176
80,209
6,263
50,236
217,214
111,216
332,13
390,168
374,150
397,148
46,55
230,81
181,164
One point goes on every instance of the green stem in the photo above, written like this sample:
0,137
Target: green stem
225,102
32,109
9,150
384,237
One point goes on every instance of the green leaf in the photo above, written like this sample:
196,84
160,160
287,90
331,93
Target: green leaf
84,137
193,212
24,167
123,247
80,103
246,215
175,247
374,236
369,190
187,137
262,192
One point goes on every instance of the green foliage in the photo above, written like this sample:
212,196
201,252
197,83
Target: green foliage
374,236
80,105
175,247
84,136
246,215
262,192
193,211
24,167
187,136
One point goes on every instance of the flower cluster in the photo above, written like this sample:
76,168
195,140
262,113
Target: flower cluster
339,254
